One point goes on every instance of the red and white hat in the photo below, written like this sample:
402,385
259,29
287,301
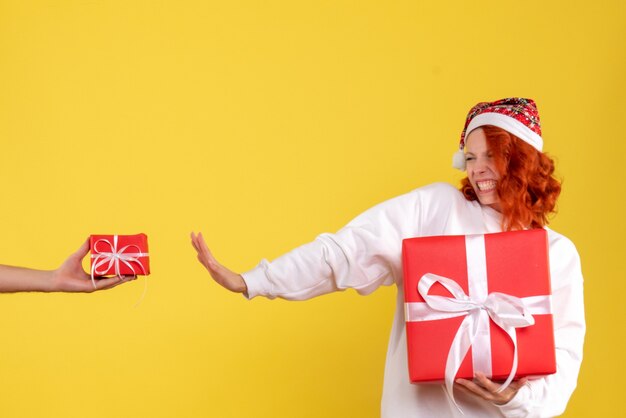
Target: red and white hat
515,115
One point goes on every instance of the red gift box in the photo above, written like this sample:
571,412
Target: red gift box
121,255
457,287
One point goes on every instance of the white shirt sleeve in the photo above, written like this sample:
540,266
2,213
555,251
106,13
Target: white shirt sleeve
548,396
363,255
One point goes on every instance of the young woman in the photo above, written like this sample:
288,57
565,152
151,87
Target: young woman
70,277
509,186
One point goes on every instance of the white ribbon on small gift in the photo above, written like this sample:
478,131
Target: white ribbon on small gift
113,258
506,311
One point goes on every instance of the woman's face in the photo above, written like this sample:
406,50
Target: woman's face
481,169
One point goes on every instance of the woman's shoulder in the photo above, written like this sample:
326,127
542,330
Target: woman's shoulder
439,189
560,243
435,198
439,192
565,266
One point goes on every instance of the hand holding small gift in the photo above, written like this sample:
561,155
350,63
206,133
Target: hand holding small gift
69,277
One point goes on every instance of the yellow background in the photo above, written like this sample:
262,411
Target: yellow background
264,123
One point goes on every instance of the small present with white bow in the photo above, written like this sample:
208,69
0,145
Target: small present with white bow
119,255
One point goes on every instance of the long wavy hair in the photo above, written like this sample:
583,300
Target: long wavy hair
527,188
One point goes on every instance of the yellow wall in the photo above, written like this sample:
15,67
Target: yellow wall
264,123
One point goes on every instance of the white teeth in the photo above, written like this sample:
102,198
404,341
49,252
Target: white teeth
486,185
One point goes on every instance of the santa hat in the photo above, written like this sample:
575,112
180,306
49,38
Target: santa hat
515,115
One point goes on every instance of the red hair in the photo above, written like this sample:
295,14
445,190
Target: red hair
527,188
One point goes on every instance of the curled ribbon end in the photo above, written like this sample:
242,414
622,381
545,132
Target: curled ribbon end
449,390
143,295
93,280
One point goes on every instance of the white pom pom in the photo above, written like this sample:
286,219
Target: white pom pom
458,160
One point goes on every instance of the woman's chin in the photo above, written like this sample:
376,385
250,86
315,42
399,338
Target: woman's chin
491,201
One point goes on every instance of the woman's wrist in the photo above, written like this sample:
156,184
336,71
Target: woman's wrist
241,286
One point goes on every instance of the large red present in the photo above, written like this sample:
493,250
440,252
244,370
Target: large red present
478,303
119,255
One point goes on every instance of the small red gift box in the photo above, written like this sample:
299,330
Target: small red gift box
121,255
478,303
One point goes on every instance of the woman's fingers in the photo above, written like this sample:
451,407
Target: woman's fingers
82,251
487,384
211,263
471,387
485,388
193,242
205,256
204,248
111,282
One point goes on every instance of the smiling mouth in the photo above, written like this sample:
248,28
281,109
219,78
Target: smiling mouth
486,186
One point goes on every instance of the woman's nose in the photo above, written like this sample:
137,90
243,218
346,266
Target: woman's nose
480,166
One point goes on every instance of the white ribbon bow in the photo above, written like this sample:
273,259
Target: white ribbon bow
508,312
114,257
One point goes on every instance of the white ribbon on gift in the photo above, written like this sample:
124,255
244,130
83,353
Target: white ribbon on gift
506,311
114,257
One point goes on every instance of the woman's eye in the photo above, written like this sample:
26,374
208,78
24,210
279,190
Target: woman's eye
468,158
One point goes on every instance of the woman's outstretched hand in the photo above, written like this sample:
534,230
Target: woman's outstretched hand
223,276
485,388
